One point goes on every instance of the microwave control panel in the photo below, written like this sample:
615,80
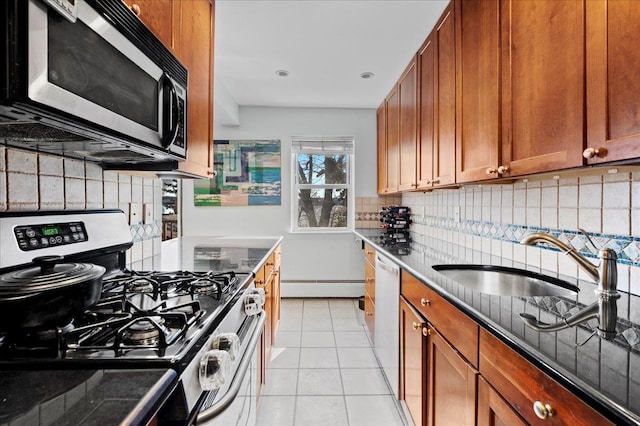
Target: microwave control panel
34,237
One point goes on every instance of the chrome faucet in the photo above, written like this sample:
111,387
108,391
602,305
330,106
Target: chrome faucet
606,275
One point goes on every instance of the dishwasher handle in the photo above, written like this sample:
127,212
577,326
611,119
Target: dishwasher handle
392,268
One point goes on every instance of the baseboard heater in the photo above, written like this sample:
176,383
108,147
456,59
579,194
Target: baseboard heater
322,288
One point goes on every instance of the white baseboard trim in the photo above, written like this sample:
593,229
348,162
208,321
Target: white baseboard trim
322,289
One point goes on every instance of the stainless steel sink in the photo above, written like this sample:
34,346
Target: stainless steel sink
504,281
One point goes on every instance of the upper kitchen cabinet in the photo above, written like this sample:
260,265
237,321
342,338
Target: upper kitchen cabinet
408,131
181,25
392,104
478,102
381,116
437,100
613,87
542,85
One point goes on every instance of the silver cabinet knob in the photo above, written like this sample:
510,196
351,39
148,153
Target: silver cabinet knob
591,153
542,410
503,169
491,171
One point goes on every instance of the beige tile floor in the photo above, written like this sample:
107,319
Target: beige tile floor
323,370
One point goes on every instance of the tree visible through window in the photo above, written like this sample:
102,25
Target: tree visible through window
322,184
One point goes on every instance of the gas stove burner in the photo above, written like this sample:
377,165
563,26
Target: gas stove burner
145,331
141,285
206,286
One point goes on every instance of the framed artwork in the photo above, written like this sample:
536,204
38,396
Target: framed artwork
248,173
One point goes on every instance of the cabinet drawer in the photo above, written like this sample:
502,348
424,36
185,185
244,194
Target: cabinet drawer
522,384
369,316
370,254
461,331
370,281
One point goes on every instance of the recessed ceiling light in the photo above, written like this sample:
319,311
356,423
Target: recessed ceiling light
366,75
282,73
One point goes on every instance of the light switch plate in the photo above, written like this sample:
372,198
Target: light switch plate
147,211
135,213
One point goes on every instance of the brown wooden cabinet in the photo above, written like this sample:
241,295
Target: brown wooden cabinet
438,383
493,410
542,85
478,101
381,118
408,132
268,278
413,355
370,290
437,100
181,25
392,104
613,87
524,386
452,386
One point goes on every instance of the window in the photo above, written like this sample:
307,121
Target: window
323,184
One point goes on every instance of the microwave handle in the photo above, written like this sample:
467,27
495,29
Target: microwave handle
171,112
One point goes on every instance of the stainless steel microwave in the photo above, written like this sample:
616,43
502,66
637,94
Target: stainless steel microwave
91,83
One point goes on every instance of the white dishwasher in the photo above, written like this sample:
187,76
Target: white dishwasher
387,319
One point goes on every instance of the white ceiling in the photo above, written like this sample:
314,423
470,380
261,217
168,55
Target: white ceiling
324,44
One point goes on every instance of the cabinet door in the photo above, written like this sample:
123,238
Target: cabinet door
478,103
393,139
452,385
408,89
543,80
196,54
444,150
426,108
381,116
493,410
162,17
413,355
613,95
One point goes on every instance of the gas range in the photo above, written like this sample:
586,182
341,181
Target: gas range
198,323
141,315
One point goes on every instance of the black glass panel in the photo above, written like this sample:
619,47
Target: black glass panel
93,69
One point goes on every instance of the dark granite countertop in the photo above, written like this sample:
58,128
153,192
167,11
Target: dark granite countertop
605,374
237,254
83,397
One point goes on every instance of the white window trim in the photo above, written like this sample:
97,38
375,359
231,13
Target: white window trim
351,202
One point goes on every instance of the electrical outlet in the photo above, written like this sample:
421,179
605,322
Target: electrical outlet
147,212
135,213
456,214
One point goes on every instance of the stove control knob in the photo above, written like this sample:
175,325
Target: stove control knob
229,342
215,368
254,301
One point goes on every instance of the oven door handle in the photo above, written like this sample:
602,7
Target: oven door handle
231,394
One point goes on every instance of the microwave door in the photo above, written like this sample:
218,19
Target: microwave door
86,69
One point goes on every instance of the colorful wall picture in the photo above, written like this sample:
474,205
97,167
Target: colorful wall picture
247,174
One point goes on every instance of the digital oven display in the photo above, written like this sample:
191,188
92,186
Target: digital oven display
34,237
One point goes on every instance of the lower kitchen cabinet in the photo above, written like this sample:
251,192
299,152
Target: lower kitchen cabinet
370,290
452,384
413,354
493,410
268,278
534,395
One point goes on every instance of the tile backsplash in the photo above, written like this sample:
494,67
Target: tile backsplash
492,219
32,181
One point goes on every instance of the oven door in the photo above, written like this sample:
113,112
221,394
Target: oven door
91,71
235,403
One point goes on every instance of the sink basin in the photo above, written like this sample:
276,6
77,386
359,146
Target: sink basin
504,281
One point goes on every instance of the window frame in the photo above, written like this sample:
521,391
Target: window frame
296,186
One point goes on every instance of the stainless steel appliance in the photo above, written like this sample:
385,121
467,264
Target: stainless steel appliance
93,83
205,325
387,319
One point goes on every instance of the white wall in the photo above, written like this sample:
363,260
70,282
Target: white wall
330,256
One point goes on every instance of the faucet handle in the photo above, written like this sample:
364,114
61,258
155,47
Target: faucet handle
589,240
